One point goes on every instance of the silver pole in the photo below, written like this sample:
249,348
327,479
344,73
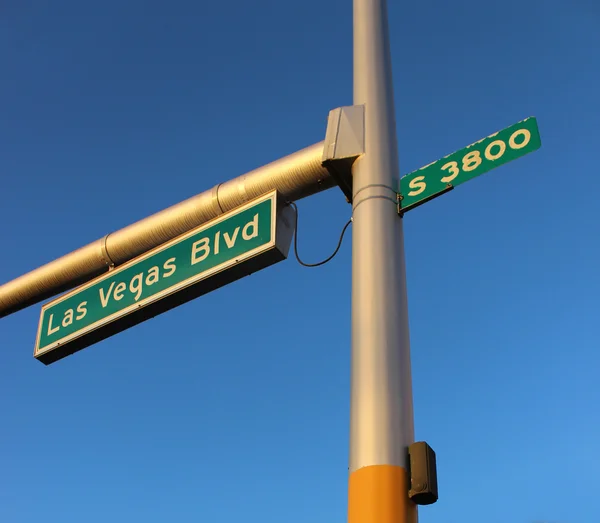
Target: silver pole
381,414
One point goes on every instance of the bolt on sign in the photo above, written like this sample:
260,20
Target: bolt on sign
235,244
442,175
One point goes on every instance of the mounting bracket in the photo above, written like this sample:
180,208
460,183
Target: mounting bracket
344,143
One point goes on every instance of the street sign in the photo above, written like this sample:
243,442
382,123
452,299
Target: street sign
235,244
439,177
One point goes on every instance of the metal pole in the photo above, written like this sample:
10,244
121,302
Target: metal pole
295,176
381,413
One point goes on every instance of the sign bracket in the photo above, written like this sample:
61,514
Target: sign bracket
400,198
344,143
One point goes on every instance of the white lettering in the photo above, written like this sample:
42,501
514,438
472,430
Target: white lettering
454,171
50,329
254,225
526,139
153,276
104,298
203,246
217,238
118,294
488,150
82,310
68,319
471,161
135,285
170,267
230,241
418,184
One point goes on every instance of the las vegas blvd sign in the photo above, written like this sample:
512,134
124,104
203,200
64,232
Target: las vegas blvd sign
235,244
474,160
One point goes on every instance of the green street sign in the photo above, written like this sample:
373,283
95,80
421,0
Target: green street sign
443,175
235,244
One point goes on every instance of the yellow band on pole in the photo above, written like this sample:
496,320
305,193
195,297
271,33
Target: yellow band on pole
379,494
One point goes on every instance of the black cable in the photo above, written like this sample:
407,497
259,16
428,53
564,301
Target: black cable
296,241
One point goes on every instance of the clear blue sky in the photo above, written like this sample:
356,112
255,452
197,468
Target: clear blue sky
235,407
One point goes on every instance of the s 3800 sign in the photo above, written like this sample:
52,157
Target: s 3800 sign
472,161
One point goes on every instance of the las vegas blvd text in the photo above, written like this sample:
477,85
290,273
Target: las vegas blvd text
219,243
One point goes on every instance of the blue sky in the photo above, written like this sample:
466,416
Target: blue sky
235,406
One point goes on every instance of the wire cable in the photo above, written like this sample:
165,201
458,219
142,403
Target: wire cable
293,204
